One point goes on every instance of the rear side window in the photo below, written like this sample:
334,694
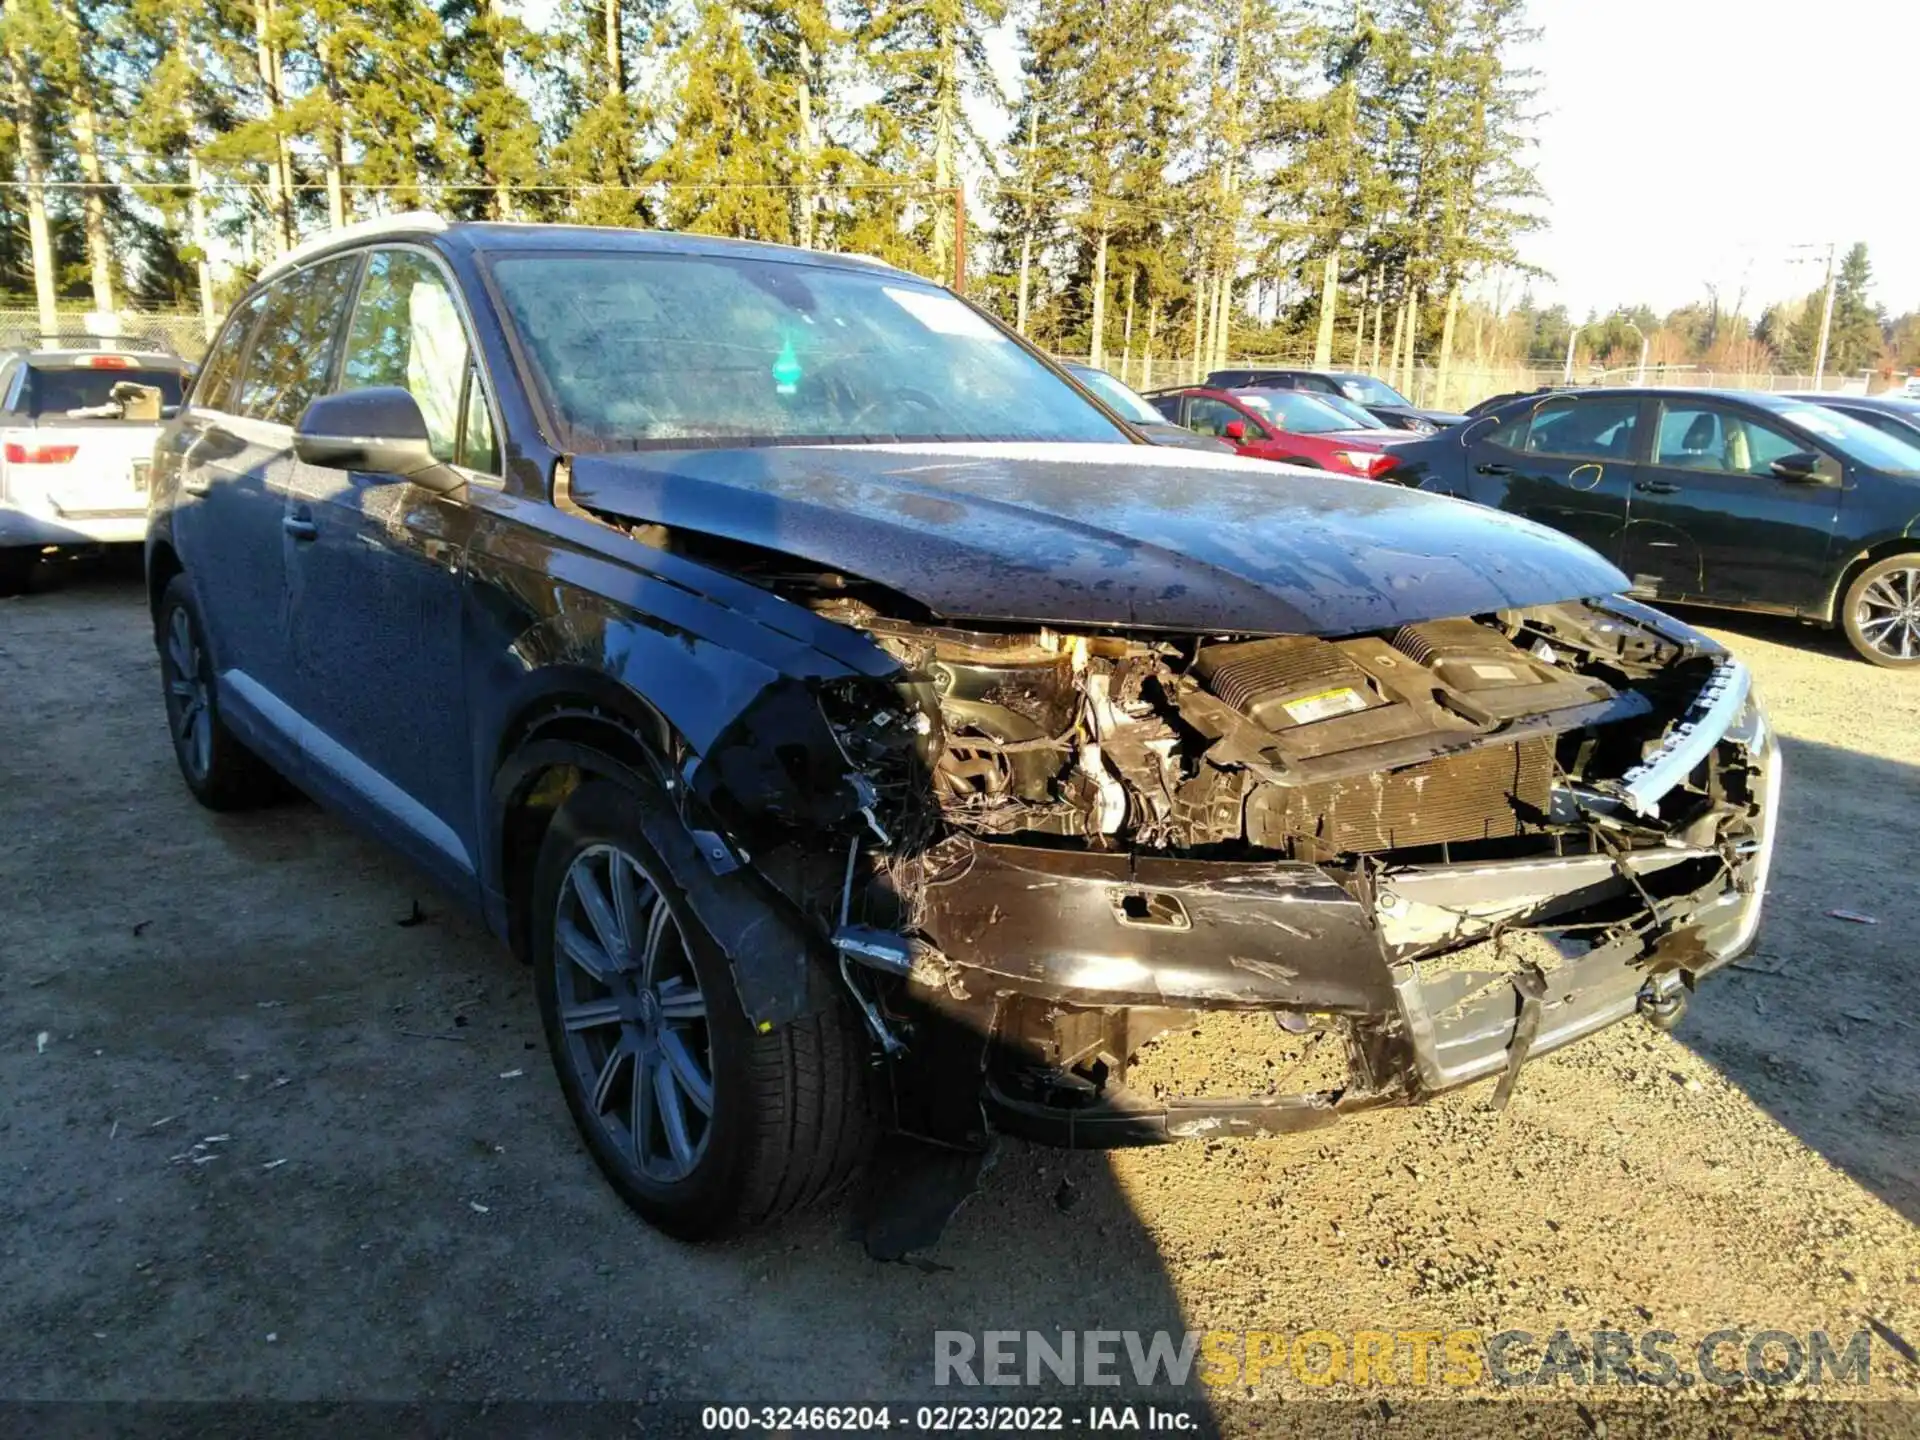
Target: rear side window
54,392
287,366
213,389
1582,429
406,332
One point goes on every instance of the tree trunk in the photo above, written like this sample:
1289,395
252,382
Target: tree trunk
1126,333
33,166
1399,332
1329,300
616,52
197,233
1360,327
1098,359
1379,322
1146,363
808,144
333,147
1413,329
86,141
1026,229
946,103
1441,376
1222,321
1201,308
279,166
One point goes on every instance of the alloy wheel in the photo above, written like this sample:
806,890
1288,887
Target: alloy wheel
187,706
633,1014
1887,614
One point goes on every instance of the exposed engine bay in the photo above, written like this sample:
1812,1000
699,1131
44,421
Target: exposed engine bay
1435,735
1441,848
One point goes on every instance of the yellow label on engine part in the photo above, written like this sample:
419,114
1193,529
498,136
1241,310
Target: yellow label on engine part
1323,705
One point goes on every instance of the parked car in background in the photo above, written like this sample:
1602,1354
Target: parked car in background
856,727
1286,425
1896,415
1380,399
1735,498
1138,412
77,425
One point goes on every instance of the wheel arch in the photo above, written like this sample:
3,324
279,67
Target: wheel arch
163,563
584,726
1907,543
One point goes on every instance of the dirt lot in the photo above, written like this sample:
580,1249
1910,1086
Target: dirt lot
263,1135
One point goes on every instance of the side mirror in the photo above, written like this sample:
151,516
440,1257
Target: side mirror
1802,467
379,430
1236,430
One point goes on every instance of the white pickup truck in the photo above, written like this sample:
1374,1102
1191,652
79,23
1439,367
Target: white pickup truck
73,452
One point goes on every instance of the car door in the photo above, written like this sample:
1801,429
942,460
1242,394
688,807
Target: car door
1208,416
376,578
1566,462
1709,519
231,496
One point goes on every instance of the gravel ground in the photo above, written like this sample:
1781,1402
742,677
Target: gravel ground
277,1124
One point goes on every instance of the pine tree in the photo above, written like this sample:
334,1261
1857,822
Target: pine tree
926,57
718,171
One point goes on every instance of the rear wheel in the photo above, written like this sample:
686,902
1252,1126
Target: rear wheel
220,771
702,1125
1881,612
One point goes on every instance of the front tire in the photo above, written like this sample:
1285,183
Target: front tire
704,1127
17,565
220,771
1880,614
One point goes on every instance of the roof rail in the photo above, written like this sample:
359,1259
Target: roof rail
405,222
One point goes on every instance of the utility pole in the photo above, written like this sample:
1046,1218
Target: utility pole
1826,323
1566,375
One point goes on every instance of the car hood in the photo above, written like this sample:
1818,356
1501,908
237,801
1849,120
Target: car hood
1091,534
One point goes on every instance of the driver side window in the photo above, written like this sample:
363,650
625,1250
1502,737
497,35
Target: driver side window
406,332
1726,442
1211,417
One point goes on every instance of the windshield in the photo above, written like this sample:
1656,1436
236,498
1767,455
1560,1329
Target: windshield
1855,439
1117,395
1296,411
650,348
1368,391
53,393
1362,418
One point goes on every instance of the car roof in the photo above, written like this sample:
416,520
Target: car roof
1760,399
1890,404
475,237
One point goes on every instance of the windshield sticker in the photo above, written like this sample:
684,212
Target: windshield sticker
942,314
786,370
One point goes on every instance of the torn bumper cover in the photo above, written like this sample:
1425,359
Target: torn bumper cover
1061,963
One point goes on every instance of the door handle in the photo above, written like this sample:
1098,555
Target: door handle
1493,467
1656,487
301,527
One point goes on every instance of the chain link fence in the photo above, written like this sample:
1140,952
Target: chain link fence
178,331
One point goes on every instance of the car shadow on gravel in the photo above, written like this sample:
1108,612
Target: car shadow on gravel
1817,1024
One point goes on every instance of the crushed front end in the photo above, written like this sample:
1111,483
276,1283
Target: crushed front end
1422,856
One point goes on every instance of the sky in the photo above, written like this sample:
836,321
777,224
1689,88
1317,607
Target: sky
1688,142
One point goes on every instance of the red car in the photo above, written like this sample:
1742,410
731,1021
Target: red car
1288,425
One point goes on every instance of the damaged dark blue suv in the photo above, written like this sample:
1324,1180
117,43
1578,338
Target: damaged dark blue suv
859,730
